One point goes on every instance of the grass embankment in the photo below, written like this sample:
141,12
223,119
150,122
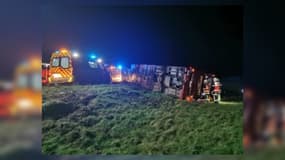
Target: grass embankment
121,119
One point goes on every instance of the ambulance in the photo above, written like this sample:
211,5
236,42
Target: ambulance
61,69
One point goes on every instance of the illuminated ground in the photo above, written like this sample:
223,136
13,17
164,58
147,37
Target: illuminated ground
122,119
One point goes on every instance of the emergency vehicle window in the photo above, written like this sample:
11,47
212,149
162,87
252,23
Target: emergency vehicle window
55,62
64,62
22,81
36,81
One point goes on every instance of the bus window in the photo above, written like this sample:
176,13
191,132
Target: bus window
64,62
55,62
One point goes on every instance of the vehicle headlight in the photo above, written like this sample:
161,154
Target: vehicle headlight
56,75
24,103
75,55
99,60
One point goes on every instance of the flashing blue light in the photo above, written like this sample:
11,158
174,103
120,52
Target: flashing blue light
56,52
119,66
92,56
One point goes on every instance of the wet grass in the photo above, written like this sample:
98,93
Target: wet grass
123,119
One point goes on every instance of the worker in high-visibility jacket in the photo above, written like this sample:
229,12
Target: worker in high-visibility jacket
216,93
206,88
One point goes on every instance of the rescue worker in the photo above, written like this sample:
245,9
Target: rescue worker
206,88
211,82
216,93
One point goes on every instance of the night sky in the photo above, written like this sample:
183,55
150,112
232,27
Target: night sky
208,37
20,34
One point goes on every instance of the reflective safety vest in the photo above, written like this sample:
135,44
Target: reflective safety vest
217,89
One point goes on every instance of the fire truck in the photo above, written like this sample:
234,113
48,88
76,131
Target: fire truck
61,69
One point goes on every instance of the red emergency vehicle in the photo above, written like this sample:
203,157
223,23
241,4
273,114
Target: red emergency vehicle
45,73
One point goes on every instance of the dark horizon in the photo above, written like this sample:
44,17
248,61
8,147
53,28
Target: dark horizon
207,37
